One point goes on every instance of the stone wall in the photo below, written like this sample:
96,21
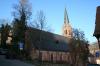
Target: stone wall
53,56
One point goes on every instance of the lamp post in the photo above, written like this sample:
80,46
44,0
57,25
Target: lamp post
97,26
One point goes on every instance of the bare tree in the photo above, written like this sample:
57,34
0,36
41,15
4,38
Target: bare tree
78,48
40,22
22,9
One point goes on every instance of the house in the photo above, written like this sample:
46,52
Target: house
47,46
97,26
93,48
97,33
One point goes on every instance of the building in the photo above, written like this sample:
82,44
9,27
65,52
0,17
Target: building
67,29
9,39
93,48
47,46
97,26
94,53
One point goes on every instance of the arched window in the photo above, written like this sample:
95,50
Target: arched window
65,31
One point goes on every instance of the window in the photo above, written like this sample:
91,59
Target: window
57,41
65,31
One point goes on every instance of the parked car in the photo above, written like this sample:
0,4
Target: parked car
93,65
11,55
3,51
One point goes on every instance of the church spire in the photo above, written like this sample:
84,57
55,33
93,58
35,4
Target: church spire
67,29
66,19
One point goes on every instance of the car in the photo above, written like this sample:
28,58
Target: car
93,65
3,51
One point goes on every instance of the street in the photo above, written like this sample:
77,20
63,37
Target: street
7,62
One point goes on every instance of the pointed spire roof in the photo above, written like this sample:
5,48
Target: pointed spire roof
66,19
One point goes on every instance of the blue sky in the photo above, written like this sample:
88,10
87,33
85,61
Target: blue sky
81,13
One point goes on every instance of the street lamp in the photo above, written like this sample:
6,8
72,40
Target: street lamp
97,26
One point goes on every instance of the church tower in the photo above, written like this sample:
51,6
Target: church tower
67,29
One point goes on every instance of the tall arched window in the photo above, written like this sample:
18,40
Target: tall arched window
66,32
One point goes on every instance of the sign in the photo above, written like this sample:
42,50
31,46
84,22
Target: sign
21,45
97,54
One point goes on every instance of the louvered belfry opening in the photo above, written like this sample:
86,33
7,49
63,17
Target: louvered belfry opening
97,26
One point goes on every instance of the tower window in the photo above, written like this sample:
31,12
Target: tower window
66,31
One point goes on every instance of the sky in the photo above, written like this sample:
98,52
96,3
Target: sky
81,13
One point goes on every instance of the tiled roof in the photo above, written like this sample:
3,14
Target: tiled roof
48,41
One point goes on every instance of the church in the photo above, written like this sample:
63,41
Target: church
50,47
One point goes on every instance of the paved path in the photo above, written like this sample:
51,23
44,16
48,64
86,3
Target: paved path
6,62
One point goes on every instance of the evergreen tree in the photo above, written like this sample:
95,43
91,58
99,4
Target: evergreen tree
22,14
4,30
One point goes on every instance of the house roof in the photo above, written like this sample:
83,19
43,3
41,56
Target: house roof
97,23
48,41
